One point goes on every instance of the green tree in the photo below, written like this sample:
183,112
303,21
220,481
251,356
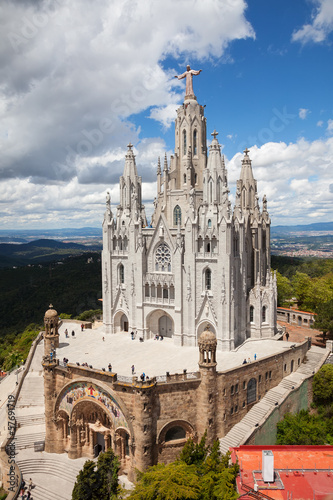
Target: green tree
200,473
284,289
108,467
323,385
302,428
176,481
87,483
324,318
98,482
301,283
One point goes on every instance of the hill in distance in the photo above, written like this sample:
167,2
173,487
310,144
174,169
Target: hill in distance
39,251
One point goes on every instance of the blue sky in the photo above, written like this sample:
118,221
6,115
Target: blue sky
81,80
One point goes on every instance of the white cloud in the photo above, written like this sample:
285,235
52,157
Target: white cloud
295,177
303,113
74,74
330,126
320,123
321,26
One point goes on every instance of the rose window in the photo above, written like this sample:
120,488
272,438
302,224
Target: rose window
163,258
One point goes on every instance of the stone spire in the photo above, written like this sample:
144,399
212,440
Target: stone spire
130,188
215,177
247,185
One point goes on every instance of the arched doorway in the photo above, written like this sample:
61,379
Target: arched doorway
120,322
165,326
158,322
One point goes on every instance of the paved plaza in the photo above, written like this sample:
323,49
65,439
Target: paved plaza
154,357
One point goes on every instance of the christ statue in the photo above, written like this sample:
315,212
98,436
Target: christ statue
189,80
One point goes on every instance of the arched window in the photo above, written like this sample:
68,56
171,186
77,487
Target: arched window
251,391
195,141
184,142
251,314
209,223
177,215
174,433
121,274
195,178
264,314
184,178
163,258
208,279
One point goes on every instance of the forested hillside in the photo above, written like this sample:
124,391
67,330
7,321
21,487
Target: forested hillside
72,285
309,284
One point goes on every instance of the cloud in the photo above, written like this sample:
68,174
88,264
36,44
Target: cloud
320,123
74,74
330,126
321,26
303,113
296,178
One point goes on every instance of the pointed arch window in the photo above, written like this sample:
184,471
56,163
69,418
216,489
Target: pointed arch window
195,142
209,223
184,178
184,142
177,215
163,258
251,314
121,274
208,279
264,314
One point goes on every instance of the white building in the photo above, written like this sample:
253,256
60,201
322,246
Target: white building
203,261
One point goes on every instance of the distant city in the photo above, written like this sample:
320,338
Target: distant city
312,240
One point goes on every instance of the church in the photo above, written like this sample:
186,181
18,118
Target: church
200,262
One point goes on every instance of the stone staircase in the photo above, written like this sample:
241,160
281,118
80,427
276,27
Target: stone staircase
63,474
260,411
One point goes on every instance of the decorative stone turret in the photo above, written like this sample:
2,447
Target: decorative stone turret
51,336
207,347
208,390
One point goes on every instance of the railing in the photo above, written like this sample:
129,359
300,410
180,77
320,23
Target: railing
159,300
122,378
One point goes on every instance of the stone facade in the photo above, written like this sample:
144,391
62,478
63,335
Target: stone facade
88,410
199,261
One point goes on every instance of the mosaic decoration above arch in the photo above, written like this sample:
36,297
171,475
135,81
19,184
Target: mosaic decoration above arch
83,391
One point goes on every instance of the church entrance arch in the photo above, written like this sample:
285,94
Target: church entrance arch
165,326
120,322
159,323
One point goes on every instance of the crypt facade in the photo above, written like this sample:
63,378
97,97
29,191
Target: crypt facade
201,260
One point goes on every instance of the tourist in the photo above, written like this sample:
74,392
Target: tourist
133,369
144,376
141,339
255,357
161,337
244,362
82,327
110,367
249,360
73,333
28,495
132,335
287,336
103,338
30,485
66,333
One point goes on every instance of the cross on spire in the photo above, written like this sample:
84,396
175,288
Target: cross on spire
214,134
130,145
246,151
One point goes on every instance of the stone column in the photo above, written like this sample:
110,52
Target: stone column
145,449
207,391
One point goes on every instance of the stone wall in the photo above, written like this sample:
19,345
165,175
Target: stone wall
180,405
299,399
